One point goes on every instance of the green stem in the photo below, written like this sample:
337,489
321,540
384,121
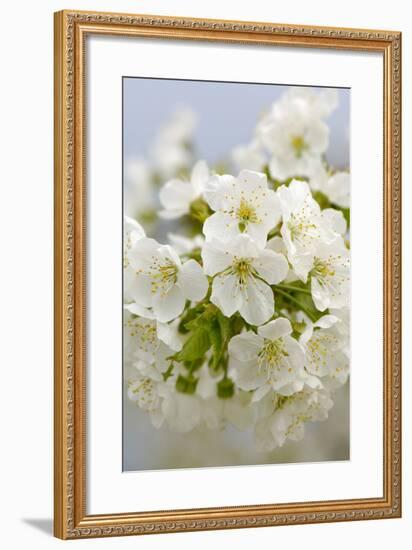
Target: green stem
294,289
298,303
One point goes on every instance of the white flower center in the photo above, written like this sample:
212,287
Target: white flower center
323,269
246,213
319,349
296,422
242,268
273,358
246,210
299,145
326,271
145,393
127,247
145,331
302,229
163,275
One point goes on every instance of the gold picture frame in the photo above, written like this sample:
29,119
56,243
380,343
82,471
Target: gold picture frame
71,520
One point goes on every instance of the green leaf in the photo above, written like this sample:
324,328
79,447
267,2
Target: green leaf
217,344
202,319
195,346
189,316
224,325
215,335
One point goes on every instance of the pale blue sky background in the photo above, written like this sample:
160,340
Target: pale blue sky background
227,114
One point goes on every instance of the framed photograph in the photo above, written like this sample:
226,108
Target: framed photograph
227,274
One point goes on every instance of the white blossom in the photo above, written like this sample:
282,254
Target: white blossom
242,205
162,282
277,245
330,275
139,195
337,189
325,347
182,412
177,195
285,417
170,151
250,157
143,384
270,359
149,340
132,232
303,226
294,132
185,245
237,411
243,273
334,221
144,391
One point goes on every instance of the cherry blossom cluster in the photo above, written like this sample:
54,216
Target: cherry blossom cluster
243,319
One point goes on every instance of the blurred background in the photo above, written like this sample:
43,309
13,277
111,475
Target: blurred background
148,448
226,115
218,116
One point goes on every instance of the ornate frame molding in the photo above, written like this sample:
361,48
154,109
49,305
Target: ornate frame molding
71,520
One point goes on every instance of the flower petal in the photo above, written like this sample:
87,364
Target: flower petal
169,335
251,180
243,246
258,232
169,306
134,229
260,393
137,309
320,295
269,211
277,245
276,329
257,302
326,321
337,189
226,294
247,375
199,176
192,281
140,289
296,353
142,252
176,194
246,346
317,137
302,264
172,213
215,257
271,266
220,226
215,189
334,220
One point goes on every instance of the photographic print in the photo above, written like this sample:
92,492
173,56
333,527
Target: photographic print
236,286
